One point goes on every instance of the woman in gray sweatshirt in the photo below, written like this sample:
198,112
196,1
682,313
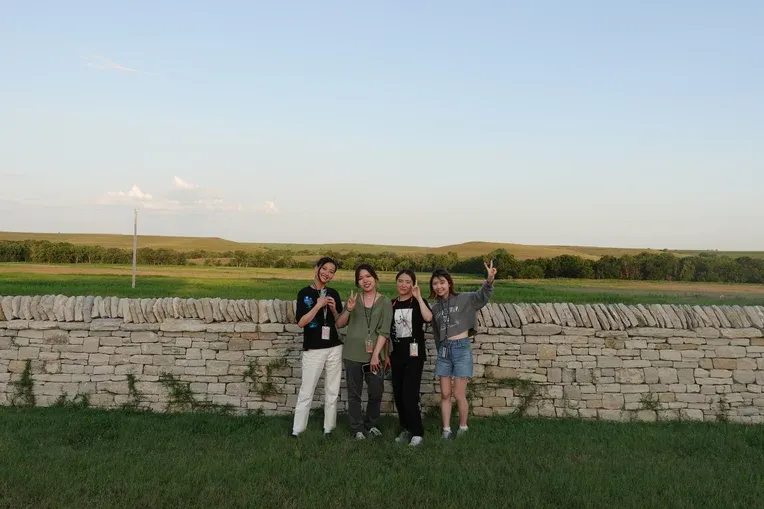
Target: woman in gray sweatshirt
454,320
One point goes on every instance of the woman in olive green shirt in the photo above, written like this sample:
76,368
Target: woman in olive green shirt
368,329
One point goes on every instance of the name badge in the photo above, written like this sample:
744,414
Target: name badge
369,346
414,349
326,332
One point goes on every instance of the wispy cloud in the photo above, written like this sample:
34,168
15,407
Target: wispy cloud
133,196
104,64
268,208
182,184
184,197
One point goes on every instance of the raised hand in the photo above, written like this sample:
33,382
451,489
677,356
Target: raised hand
491,271
351,301
332,304
416,291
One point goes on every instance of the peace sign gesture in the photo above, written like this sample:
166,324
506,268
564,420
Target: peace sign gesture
491,271
351,301
416,291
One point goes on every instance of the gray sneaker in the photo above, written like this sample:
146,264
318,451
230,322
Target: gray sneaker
461,432
403,437
374,432
446,435
360,436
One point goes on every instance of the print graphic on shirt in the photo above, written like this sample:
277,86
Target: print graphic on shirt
445,317
404,327
309,303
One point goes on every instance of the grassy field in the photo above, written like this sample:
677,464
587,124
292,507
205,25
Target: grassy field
241,283
467,249
56,458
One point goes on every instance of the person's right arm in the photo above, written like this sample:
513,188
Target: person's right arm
305,316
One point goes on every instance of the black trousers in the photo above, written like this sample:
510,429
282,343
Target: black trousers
375,384
407,378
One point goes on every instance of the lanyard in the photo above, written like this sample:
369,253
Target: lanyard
322,293
368,312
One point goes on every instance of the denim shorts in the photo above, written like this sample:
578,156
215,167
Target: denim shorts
458,360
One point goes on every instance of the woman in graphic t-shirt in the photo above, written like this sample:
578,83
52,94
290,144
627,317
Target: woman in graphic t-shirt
317,309
454,322
410,313
368,317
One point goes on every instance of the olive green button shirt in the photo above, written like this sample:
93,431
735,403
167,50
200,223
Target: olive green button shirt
366,322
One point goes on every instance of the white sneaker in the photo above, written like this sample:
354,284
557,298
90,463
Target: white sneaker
360,436
415,441
374,432
446,434
403,437
461,432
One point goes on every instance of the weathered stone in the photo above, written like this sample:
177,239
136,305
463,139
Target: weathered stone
95,312
207,312
576,314
16,307
221,327
519,311
2,312
248,327
730,352
262,311
199,309
182,325
78,302
25,311
177,313
291,318
216,315
69,309
533,329
740,333
224,310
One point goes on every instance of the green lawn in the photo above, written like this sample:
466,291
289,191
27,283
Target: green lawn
55,458
254,285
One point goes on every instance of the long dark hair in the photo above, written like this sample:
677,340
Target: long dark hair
368,268
324,260
408,272
445,275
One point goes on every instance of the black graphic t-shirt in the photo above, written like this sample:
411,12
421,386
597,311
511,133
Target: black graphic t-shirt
408,326
311,339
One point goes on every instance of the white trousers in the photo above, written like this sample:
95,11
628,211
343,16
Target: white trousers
313,363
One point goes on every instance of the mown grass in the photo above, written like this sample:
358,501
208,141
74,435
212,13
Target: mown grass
285,287
55,458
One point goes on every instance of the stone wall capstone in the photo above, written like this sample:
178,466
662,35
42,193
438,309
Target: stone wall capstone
605,361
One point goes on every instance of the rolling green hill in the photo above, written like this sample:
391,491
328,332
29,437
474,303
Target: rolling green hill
216,244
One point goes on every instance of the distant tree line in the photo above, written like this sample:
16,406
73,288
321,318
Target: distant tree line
705,267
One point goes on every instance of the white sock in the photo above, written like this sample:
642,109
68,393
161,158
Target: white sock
462,427
446,428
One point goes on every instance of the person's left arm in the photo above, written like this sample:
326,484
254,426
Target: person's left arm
383,332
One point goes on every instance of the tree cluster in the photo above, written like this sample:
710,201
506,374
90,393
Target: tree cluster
705,267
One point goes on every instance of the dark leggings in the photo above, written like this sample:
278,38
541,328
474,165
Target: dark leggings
407,377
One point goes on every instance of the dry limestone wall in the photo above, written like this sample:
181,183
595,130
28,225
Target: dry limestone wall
615,362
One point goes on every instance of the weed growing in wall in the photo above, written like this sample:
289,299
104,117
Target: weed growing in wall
262,383
23,395
79,401
134,396
182,397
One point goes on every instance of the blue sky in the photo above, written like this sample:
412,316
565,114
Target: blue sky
635,124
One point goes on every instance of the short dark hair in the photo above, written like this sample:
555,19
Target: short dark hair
408,272
324,260
366,267
445,275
